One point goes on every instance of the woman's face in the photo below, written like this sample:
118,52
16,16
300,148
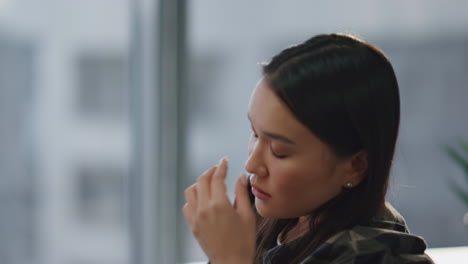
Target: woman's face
296,171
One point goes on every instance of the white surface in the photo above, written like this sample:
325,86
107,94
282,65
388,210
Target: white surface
448,255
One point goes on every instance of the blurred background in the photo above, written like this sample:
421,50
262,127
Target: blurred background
109,109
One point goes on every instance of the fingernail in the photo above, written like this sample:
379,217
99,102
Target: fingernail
224,159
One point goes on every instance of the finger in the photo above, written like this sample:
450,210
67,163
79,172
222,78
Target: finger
191,194
243,206
190,207
218,185
189,212
203,189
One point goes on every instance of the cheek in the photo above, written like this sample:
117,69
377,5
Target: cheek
288,179
295,180
299,191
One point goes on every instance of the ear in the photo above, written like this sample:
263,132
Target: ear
357,169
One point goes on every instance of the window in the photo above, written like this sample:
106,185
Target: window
100,199
102,85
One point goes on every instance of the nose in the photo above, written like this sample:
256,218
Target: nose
255,164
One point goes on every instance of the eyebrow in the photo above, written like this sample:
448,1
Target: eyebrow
275,136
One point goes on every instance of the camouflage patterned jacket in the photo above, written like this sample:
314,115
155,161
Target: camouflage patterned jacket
386,241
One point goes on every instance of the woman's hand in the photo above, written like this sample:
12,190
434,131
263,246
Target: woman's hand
225,233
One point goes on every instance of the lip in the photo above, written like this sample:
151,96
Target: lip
259,193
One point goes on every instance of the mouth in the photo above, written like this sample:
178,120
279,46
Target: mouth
259,193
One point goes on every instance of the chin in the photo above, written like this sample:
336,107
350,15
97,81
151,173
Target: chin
262,209
267,211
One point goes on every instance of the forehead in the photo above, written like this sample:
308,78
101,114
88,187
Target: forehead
268,112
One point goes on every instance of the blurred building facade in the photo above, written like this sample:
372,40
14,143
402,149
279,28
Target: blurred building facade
64,132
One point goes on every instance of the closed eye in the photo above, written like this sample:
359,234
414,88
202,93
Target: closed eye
279,156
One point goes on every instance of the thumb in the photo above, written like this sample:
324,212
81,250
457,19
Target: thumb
243,206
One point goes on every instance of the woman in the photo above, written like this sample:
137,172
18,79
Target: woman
325,120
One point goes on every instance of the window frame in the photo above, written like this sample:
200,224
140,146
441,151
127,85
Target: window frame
156,77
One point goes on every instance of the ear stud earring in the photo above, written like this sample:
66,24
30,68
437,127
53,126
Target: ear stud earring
349,185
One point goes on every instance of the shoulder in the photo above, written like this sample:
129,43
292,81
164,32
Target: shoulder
385,241
362,245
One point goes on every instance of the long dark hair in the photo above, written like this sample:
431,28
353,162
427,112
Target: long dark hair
345,91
